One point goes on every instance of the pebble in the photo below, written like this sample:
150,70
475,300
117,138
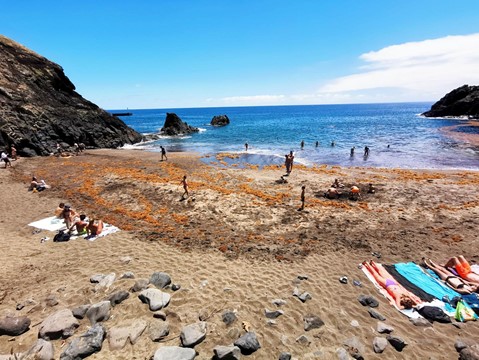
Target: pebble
398,343
273,314
229,317
376,315
383,328
367,300
305,296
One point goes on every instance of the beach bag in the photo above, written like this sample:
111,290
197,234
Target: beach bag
464,312
61,236
433,313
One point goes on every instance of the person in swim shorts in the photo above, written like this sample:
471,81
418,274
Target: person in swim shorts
403,298
463,268
455,282
80,224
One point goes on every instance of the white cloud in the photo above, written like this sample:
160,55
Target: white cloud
415,70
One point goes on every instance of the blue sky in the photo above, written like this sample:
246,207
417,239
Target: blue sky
201,53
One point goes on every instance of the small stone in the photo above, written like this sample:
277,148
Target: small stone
160,279
354,323
273,314
106,282
312,322
156,299
376,315
20,306
95,279
379,344
80,311
175,287
463,343
127,275
227,352
284,356
421,322
139,285
355,347
158,330
174,353
302,277
305,297
296,292
125,259
383,328
398,343
118,297
271,322
470,353
98,312
279,302
229,317
51,300
248,343
193,334
303,340
367,300
159,315
119,336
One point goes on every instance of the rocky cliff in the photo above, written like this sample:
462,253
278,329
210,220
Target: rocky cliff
463,101
40,108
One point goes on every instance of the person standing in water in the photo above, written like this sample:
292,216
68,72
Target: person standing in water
246,146
317,143
352,151
302,144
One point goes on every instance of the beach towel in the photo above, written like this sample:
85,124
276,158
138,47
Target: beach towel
418,277
423,295
51,223
411,313
475,269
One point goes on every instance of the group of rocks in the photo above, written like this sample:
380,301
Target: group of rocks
155,293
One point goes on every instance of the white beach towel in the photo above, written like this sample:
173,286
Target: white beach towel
411,313
51,223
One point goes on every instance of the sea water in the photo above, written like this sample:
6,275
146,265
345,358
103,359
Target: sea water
396,135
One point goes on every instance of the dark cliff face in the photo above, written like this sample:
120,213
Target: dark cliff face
40,108
463,101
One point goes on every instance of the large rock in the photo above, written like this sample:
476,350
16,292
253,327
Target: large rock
14,326
160,279
119,336
61,324
470,353
220,120
156,299
85,345
174,353
175,126
41,350
99,312
463,101
227,352
248,343
40,107
193,334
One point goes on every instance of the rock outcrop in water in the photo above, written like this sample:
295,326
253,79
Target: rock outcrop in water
175,126
463,101
220,120
40,108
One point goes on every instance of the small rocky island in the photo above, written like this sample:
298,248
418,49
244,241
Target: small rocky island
460,102
175,126
39,108
220,120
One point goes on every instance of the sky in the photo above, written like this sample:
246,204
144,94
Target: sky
215,53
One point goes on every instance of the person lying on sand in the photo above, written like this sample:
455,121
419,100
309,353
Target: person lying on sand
403,298
332,193
371,189
463,268
455,282
36,185
355,193
94,227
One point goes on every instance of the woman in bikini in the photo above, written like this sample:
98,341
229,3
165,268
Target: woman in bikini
403,298
455,282
463,269
94,228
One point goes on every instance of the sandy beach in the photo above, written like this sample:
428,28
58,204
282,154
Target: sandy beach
238,242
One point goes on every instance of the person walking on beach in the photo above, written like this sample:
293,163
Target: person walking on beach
287,163
5,159
303,188
13,152
163,153
246,146
302,144
291,161
185,187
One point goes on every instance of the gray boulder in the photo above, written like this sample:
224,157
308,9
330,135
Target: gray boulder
227,352
193,334
160,279
118,337
312,322
158,330
41,350
379,344
174,353
80,311
470,353
376,315
85,345
248,343
99,312
14,326
156,299
140,284
398,343
383,328
61,324
118,297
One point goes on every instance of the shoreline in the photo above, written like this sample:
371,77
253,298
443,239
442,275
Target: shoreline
237,243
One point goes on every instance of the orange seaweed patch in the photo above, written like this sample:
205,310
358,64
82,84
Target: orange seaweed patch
180,219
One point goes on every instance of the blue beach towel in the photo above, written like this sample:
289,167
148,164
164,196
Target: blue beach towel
418,277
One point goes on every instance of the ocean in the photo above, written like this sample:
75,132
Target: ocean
395,134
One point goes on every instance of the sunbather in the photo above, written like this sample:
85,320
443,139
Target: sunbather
69,216
94,228
80,225
403,298
463,268
455,282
